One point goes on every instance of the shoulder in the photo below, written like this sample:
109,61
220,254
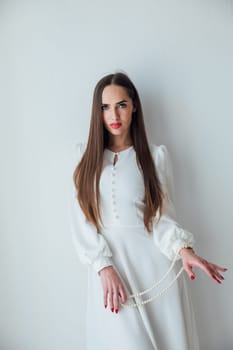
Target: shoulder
163,163
79,149
160,155
164,167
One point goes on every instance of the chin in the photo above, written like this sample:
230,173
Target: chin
115,131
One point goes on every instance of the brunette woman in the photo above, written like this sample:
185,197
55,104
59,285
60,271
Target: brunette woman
124,227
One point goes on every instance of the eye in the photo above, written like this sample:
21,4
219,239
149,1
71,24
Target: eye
103,107
123,105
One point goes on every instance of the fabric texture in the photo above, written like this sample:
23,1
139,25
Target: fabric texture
140,258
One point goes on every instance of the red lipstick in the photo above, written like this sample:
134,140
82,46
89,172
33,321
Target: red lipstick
115,125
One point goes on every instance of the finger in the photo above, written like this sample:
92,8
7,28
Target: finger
210,272
122,294
220,268
215,273
188,269
110,299
217,267
116,300
216,279
209,269
218,275
105,298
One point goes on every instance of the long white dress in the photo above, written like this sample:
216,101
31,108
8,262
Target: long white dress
141,259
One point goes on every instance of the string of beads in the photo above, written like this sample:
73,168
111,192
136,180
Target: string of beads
135,295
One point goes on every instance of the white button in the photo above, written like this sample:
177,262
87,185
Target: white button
117,217
113,182
114,202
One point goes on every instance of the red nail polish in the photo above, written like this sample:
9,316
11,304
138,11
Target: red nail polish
105,306
116,311
192,277
112,309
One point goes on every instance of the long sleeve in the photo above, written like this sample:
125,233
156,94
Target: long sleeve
168,235
90,245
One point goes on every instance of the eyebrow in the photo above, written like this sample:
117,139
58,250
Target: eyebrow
104,104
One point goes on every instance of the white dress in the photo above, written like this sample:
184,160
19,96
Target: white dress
141,259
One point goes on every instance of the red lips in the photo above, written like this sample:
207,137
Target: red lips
115,125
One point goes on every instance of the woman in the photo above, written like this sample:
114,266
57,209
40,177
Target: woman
124,227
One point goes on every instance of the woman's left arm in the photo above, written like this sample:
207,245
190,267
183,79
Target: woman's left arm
168,235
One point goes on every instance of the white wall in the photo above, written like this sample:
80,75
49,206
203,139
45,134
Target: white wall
179,55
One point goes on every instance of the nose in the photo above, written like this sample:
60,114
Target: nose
114,114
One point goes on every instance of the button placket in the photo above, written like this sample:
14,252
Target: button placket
114,202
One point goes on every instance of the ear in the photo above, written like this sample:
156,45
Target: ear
134,108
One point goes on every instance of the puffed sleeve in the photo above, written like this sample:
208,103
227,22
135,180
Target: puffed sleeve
168,235
90,245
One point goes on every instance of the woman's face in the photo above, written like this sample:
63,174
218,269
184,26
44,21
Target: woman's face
117,108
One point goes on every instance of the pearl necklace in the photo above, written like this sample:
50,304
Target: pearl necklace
155,285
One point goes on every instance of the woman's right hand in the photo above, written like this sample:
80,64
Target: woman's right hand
113,288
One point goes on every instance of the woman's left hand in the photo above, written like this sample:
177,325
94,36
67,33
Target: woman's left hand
190,260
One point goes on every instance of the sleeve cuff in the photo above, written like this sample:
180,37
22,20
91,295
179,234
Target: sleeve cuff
180,243
101,263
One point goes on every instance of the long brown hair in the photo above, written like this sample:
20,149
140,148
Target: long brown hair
87,173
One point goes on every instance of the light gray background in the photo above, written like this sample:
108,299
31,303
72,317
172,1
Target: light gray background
179,55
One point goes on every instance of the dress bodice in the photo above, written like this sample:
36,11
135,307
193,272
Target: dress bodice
121,189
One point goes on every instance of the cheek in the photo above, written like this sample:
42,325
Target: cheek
106,115
127,116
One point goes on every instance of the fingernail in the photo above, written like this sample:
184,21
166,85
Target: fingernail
112,309
105,306
116,311
225,269
192,277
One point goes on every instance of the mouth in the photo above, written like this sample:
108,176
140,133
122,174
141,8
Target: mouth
115,125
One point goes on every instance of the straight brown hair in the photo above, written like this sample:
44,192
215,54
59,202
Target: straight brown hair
87,174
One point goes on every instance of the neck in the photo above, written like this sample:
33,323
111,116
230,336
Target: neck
120,142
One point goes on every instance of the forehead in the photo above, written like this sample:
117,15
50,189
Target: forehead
114,93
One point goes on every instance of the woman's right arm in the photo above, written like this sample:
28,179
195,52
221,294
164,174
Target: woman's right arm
93,249
90,245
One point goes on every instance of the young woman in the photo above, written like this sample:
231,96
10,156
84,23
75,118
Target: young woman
124,227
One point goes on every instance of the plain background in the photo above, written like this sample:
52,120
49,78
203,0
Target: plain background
179,55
